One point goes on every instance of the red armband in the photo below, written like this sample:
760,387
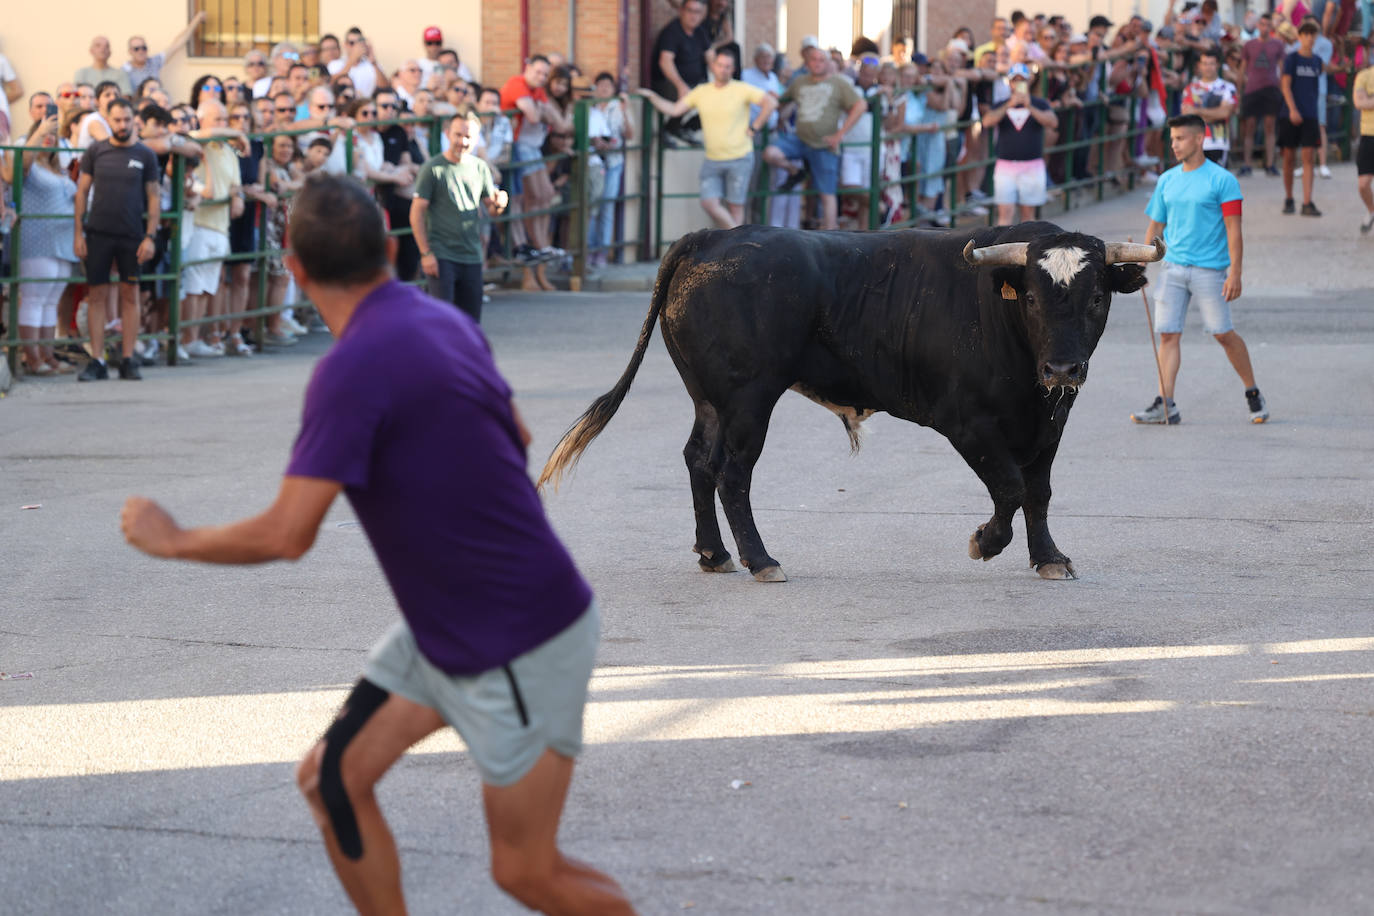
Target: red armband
1231,208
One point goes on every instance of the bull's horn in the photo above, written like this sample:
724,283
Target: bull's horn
1011,254
1130,253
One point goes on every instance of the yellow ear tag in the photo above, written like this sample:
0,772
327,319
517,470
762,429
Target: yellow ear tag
1008,292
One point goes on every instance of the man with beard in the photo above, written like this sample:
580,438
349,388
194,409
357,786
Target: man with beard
120,176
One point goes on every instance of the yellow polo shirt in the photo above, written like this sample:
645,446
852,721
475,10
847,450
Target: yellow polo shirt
1365,80
724,114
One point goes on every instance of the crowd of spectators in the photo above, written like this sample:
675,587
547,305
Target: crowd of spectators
245,143
1007,94
1017,93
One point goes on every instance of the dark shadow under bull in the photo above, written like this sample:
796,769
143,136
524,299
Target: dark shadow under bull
982,335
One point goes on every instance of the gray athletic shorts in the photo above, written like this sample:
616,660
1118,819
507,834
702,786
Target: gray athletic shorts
507,716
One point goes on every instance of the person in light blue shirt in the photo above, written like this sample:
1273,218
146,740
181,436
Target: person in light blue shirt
1196,206
762,76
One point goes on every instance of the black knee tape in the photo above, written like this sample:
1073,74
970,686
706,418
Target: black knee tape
358,708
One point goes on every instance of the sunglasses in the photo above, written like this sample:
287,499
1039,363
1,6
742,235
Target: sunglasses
137,48
255,63
391,105
870,60
181,120
66,95
320,106
208,87
433,44
368,113
238,117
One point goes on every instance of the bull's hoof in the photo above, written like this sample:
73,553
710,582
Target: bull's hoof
974,551
1057,570
769,574
721,565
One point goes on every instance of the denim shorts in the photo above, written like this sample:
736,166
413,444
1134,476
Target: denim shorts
1178,285
727,179
507,716
824,165
521,152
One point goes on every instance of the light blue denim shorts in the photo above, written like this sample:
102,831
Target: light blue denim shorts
726,179
507,716
1178,285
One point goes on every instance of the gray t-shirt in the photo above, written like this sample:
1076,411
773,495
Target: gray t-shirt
119,194
152,69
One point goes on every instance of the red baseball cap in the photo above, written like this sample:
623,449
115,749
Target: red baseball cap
433,34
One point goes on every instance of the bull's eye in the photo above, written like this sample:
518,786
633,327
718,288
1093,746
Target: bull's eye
1097,301
1030,298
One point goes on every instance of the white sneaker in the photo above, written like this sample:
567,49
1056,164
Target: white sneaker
1149,177
182,355
1146,160
1323,171
294,326
201,348
1297,172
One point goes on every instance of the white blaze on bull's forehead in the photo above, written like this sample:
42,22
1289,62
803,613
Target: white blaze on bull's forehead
1063,264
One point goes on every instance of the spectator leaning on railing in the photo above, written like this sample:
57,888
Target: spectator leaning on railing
46,255
724,106
609,126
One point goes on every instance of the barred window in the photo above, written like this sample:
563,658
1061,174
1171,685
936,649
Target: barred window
232,28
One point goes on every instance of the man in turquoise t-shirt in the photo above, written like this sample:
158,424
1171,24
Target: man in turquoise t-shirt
445,217
1196,205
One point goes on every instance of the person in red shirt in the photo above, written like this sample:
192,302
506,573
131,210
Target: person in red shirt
530,182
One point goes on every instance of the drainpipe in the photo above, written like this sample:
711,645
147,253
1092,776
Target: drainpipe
646,42
572,30
524,32
622,51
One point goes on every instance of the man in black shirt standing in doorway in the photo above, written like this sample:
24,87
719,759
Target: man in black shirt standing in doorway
120,175
681,57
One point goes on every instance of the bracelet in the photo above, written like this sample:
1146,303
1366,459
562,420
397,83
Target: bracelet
425,254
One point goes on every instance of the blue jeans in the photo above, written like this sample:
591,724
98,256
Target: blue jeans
602,227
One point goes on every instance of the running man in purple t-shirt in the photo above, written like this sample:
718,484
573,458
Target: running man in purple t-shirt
499,630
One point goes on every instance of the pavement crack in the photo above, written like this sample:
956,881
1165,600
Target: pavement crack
230,644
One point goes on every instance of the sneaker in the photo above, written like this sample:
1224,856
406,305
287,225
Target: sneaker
182,355
792,181
1310,209
1146,160
199,347
1297,172
1245,171
1323,171
1288,205
1259,409
279,340
237,347
294,327
976,210
1155,413
128,369
1150,177
95,371
1272,171
1367,224
977,195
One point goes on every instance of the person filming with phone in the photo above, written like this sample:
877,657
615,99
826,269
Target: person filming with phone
1019,179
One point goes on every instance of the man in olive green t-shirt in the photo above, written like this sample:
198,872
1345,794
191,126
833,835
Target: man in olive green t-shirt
822,98
446,220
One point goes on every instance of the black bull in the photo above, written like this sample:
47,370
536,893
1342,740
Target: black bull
981,335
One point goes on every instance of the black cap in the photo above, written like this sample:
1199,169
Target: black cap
1099,21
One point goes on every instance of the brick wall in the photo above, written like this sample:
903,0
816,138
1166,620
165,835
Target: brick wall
597,35
942,18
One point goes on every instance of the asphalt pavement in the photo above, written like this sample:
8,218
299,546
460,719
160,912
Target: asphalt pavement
897,729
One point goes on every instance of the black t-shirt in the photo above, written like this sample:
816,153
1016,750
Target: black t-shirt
689,53
249,167
1019,136
119,195
395,143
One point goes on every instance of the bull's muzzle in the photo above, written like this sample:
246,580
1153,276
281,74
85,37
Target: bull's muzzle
1063,375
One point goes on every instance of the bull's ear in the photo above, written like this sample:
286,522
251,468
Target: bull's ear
1010,282
1126,278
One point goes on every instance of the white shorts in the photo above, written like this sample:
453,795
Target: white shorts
1021,182
204,244
855,165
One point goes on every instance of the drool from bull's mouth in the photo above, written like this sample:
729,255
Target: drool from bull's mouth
936,328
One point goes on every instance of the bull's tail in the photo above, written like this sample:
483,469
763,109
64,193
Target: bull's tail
595,417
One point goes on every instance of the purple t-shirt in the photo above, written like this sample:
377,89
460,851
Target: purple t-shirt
408,412
1262,60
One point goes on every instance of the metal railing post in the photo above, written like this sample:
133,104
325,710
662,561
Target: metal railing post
646,162
260,325
658,191
579,218
875,162
174,285
12,313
